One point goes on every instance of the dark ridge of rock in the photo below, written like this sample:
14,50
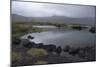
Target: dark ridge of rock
50,47
26,43
73,51
92,30
30,37
58,50
66,49
40,45
16,41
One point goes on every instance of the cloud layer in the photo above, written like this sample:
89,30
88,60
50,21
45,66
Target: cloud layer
32,9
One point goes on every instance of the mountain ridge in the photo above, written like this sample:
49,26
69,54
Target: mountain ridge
54,19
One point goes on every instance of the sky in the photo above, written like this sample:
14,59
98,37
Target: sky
33,9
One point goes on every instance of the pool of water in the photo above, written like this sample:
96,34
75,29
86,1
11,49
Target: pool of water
63,37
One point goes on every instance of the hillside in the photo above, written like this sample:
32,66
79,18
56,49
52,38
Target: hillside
54,19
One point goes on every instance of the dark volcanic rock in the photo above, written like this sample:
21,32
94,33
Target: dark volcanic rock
66,49
73,51
39,45
26,43
30,37
16,41
50,47
93,30
58,50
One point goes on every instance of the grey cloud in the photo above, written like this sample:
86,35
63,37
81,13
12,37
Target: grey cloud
32,9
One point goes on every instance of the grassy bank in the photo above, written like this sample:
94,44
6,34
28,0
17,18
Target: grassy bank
19,29
22,28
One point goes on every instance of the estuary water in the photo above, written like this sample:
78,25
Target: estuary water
62,37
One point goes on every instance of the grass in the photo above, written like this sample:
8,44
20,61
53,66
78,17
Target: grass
19,29
35,52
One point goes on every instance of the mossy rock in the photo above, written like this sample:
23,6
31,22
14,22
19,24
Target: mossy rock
41,62
16,56
35,52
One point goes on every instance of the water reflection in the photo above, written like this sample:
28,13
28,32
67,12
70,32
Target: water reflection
63,37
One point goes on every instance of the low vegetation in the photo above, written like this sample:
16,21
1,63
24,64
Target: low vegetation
16,56
35,52
41,62
19,29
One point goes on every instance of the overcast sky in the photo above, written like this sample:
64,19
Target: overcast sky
32,9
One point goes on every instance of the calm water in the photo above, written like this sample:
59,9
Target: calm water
45,26
64,37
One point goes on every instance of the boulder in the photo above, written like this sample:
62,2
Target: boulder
67,48
59,50
92,30
50,47
74,51
40,45
30,37
26,43
16,41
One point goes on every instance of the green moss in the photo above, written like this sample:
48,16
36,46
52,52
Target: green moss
41,62
16,56
35,52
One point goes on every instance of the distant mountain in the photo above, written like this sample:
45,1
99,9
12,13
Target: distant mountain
19,18
54,19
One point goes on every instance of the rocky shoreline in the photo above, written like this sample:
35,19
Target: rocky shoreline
25,53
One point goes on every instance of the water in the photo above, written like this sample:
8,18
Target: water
44,26
63,37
